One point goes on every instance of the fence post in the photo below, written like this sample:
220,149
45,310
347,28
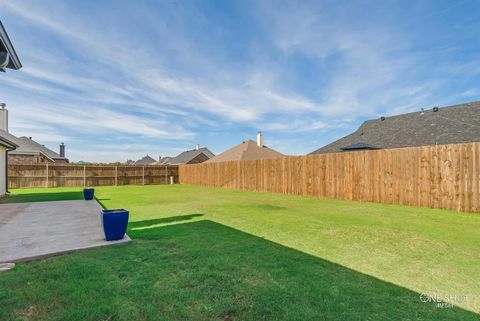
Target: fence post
143,175
166,174
84,174
46,181
116,175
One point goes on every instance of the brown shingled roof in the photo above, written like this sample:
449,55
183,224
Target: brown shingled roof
247,150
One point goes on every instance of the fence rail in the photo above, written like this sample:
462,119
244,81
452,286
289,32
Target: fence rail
68,175
444,176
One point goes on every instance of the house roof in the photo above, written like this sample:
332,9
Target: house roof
186,156
27,146
6,46
448,125
247,150
146,160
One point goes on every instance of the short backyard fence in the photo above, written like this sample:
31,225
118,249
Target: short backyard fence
69,175
443,176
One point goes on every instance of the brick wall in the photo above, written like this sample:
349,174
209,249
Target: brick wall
26,159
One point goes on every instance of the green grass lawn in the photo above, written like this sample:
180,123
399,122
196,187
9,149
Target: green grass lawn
212,254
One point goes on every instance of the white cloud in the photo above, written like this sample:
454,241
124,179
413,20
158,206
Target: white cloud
151,79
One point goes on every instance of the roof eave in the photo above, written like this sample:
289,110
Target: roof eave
47,157
22,152
8,144
14,60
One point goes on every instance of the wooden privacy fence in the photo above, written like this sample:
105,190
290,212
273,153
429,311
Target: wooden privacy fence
67,175
444,176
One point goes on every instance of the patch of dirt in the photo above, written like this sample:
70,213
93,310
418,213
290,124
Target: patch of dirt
28,313
228,315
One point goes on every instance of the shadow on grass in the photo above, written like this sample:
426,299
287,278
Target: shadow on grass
166,220
41,197
203,270
99,201
262,280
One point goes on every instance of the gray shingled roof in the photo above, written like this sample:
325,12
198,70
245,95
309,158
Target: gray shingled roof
188,155
6,140
449,125
27,146
146,160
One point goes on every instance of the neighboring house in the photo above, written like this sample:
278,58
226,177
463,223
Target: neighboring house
194,156
437,126
247,150
31,152
146,160
8,59
27,150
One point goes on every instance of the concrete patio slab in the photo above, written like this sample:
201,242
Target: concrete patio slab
31,231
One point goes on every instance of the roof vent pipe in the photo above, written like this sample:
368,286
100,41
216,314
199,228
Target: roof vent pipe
260,139
198,147
62,150
3,117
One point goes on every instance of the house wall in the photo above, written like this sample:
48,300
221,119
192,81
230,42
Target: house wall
3,174
27,159
200,158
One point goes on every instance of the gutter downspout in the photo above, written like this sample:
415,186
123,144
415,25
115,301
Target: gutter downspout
6,168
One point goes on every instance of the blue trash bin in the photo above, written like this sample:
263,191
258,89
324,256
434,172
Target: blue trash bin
115,224
88,193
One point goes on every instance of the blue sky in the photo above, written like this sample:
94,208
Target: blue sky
116,80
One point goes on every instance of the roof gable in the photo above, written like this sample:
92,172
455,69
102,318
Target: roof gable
146,160
187,156
247,150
